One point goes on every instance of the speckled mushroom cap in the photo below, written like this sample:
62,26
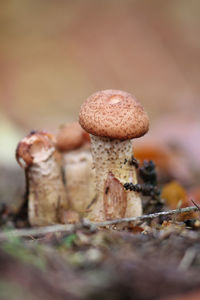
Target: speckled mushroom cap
114,114
70,136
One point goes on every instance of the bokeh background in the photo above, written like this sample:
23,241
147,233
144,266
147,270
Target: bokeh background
54,54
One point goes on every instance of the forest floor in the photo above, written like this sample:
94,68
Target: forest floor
153,259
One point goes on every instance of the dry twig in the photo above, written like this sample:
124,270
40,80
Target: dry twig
197,206
86,223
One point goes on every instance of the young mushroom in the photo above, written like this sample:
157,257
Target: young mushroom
113,118
74,144
45,188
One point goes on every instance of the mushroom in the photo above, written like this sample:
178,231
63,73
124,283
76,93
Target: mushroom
113,118
74,144
45,188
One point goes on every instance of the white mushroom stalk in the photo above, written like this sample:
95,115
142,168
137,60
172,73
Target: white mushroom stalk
113,118
112,161
45,188
80,179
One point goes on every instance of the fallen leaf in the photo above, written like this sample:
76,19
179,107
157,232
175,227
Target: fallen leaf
176,197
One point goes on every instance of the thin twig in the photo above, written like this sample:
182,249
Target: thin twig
146,217
31,232
86,223
195,204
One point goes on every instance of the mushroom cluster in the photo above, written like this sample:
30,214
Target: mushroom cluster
95,168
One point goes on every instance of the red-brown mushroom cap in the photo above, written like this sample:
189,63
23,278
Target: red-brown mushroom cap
70,136
114,114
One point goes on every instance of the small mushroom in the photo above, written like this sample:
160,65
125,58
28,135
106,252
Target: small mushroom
74,144
113,118
45,188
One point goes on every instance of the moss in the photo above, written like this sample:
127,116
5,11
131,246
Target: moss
16,248
69,240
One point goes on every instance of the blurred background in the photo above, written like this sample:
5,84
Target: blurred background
54,54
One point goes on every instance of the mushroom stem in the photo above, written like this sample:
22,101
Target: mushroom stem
80,178
112,164
46,192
